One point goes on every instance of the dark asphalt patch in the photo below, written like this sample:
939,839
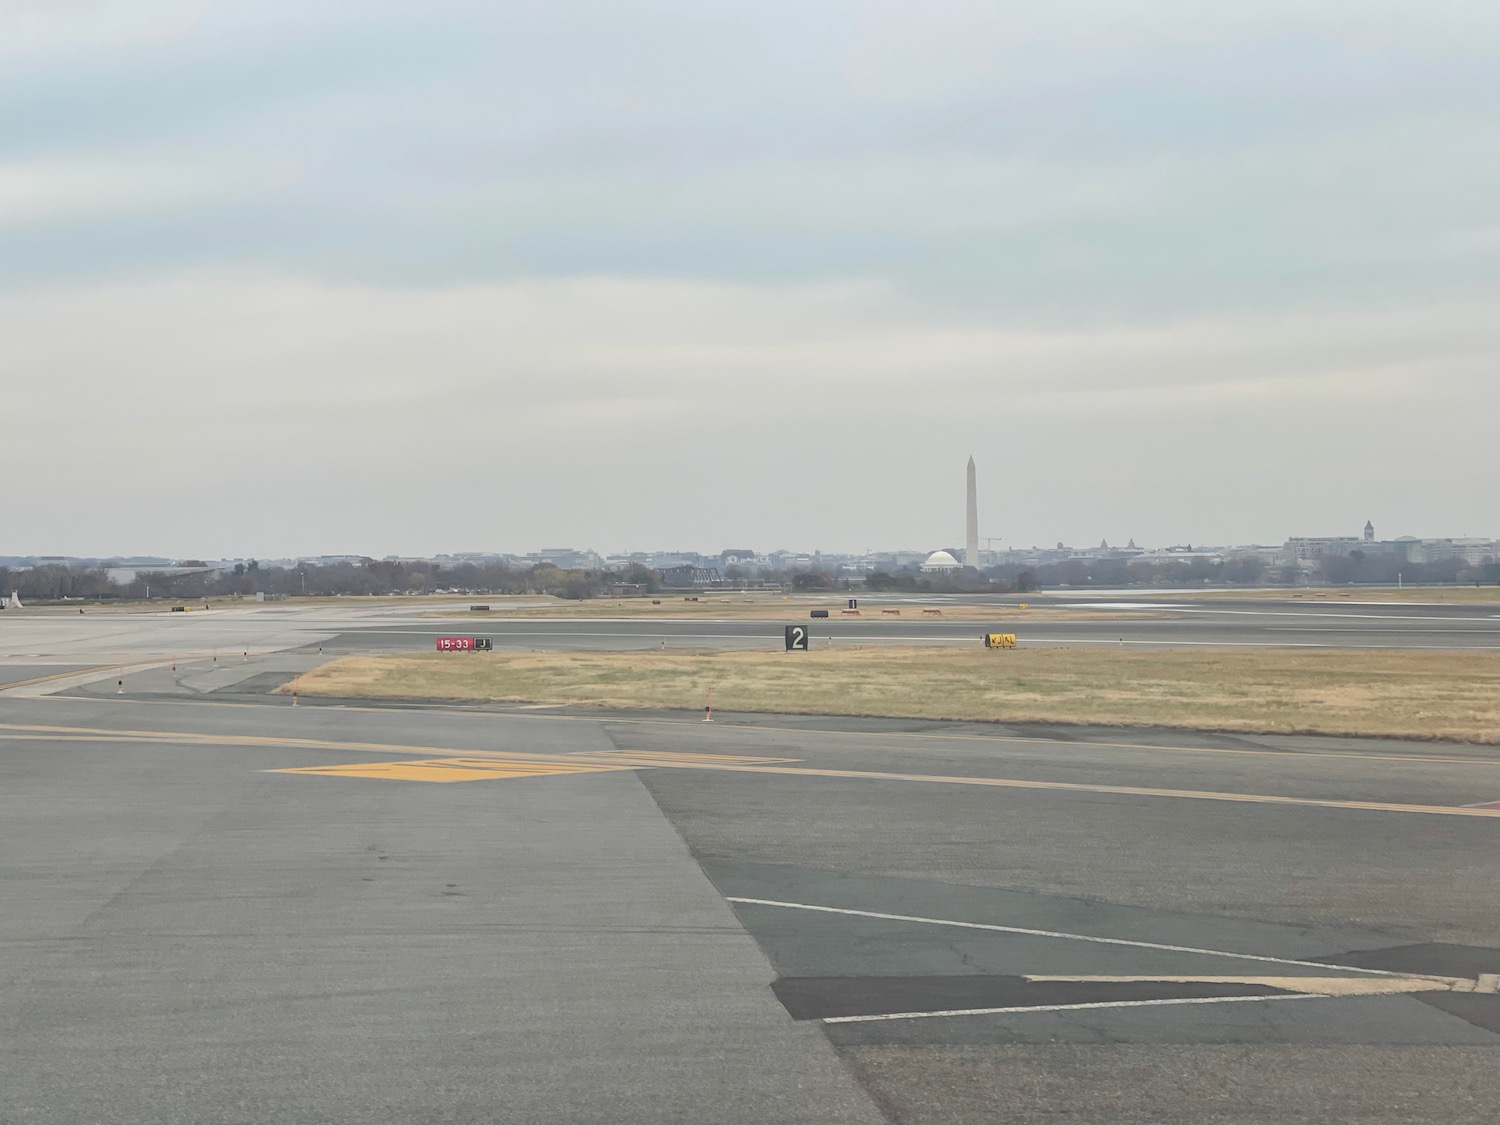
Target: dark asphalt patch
1476,1008
812,998
1437,959
1047,733
1427,959
261,684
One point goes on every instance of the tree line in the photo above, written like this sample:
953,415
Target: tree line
55,582
368,577
1357,568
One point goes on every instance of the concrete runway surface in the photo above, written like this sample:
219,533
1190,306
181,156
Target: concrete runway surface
221,908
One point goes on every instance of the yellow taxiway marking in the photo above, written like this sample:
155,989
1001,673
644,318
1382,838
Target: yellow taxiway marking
489,768
762,766
85,671
195,738
917,736
669,758
37,731
1322,986
1007,739
452,769
1117,790
628,760
611,758
248,741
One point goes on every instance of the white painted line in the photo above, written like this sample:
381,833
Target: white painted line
1072,1007
1029,639
1059,934
567,634
1392,617
1115,605
1323,986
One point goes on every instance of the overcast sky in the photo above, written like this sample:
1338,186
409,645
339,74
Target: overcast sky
376,276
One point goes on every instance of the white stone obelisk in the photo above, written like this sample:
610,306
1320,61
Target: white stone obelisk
971,530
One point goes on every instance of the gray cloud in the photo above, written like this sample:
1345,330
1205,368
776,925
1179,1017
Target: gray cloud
296,413
410,277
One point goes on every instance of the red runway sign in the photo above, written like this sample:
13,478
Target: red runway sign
465,644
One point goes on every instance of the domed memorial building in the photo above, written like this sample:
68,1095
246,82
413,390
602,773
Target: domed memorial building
940,561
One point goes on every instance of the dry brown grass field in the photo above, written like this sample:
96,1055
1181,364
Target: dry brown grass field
1413,694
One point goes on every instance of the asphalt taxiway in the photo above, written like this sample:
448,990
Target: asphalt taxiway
35,642
219,907
226,912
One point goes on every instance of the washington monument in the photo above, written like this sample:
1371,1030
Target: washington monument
971,529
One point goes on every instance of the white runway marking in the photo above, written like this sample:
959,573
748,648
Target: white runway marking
1025,932
1322,986
1314,613
1133,641
1071,1007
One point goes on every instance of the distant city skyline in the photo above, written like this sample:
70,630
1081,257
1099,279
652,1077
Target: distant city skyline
965,546
1290,548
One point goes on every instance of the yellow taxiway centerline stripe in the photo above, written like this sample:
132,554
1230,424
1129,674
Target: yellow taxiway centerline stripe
18,731
1021,740
1322,755
557,767
672,756
85,671
1018,740
400,748
449,770
9,736
195,738
1119,790
1054,786
802,771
